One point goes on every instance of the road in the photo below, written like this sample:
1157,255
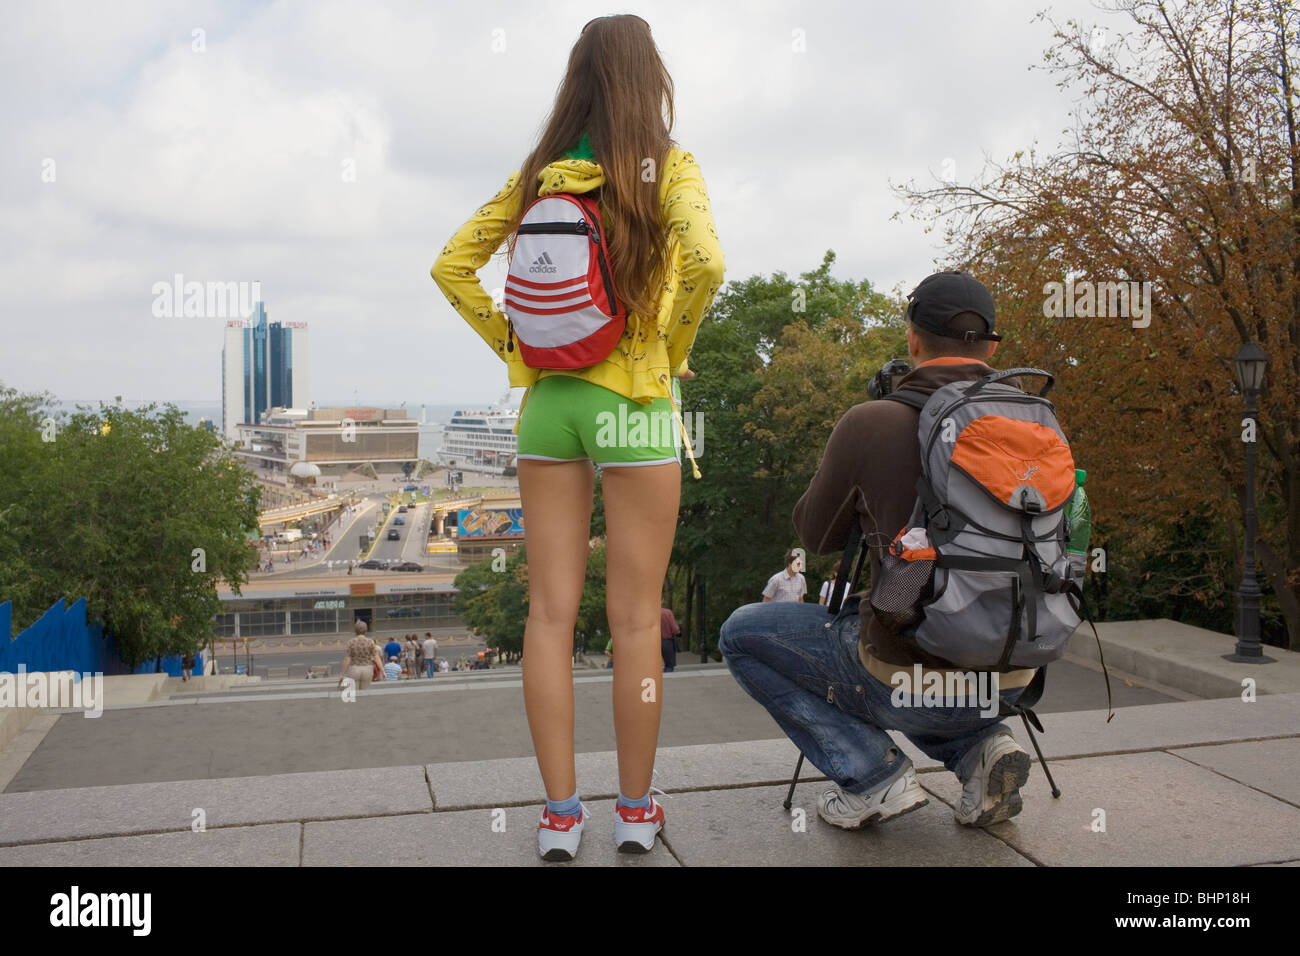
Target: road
344,548
414,533
410,547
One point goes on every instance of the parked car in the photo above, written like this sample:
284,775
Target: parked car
406,566
373,564
410,488
403,612
394,535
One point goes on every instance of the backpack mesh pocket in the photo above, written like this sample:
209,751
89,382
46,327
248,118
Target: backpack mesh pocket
896,598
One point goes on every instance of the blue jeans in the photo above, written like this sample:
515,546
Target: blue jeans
803,666
429,666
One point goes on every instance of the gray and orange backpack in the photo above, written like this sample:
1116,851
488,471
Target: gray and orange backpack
980,575
996,476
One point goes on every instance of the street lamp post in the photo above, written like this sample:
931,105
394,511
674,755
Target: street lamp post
1250,362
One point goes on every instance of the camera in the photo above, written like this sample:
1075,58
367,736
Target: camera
887,379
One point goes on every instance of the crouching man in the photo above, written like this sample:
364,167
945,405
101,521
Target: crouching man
835,685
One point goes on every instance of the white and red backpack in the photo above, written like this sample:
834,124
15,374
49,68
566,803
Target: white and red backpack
559,297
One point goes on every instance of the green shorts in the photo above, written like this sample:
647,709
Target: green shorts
570,419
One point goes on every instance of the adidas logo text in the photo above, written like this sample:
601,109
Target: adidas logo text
542,263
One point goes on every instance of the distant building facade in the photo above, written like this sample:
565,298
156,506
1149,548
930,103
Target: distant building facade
264,365
336,440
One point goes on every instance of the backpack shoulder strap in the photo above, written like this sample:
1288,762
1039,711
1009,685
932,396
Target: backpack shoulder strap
908,396
851,564
1015,373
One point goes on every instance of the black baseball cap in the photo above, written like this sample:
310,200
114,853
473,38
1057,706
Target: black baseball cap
939,297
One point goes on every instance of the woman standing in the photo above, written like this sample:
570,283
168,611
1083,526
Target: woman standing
828,586
360,659
608,138
413,662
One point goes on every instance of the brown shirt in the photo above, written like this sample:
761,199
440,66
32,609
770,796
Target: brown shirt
361,651
868,473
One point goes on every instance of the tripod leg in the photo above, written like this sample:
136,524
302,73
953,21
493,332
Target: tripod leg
1056,791
789,797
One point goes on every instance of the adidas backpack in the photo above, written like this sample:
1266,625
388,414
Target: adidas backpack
980,575
559,296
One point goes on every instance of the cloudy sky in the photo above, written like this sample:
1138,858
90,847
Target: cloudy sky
212,140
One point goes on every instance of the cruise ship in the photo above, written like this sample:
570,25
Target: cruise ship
482,441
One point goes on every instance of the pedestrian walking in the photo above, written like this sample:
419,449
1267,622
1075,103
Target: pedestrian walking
828,587
361,657
414,655
430,654
392,649
668,631
787,585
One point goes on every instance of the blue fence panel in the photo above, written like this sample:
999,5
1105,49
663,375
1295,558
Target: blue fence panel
61,640
171,666
39,645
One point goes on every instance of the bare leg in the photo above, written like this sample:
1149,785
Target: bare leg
640,518
556,498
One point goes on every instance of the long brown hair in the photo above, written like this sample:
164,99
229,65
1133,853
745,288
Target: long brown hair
617,91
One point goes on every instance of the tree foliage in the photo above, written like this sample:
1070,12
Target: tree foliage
135,510
494,603
778,362
1181,168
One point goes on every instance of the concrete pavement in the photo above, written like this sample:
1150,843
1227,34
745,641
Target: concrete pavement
272,727
1185,783
440,773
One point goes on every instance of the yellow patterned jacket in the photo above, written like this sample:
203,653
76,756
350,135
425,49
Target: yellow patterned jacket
637,369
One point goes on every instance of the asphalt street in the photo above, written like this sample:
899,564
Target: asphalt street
414,533
413,528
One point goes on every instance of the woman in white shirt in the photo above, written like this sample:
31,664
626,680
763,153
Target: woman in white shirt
828,587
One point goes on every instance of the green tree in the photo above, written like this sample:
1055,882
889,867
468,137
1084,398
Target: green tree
592,630
1180,170
136,510
778,362
494,603
24,419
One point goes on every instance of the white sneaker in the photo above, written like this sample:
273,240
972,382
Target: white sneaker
635,828
852,811
992,794
558,837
